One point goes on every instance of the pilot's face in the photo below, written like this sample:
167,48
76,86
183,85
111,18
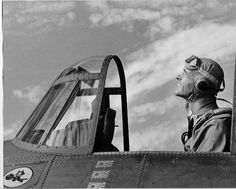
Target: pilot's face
185,85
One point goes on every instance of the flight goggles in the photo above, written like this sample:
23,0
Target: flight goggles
194,63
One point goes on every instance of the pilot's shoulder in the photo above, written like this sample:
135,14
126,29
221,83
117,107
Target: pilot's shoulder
220,118
222,113
223,110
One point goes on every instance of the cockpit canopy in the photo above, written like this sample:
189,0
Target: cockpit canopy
76,111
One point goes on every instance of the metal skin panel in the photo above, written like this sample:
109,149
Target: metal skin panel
69,172
143,169
106,171
125,170
189,170
14,155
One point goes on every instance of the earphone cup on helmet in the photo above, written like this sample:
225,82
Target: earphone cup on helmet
201,85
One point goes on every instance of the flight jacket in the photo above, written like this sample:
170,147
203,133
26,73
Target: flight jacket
211,132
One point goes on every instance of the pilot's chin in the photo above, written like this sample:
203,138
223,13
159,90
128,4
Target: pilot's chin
179,94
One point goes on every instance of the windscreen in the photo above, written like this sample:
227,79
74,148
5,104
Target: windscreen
46,113
74,128
65,116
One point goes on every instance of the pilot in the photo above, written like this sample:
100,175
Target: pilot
209,126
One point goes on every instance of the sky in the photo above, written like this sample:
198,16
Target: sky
151,37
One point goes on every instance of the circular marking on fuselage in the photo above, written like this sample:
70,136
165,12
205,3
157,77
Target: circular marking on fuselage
17,177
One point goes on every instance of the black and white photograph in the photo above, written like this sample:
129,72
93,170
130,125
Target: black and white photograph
119,94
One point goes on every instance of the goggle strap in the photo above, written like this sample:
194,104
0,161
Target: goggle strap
209,76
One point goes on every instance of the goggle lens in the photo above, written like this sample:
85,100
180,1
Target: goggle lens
192,63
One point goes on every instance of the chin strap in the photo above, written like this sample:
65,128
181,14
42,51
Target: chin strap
193,97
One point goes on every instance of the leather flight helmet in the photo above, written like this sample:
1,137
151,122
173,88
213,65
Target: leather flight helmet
208,77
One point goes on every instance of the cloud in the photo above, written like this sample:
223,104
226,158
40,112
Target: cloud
95,5
118,16
141,113
11,131
159,17
164,25
31,93
46,7
159,62
162,137
37,16
127,17
152,4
